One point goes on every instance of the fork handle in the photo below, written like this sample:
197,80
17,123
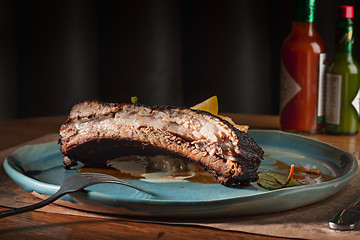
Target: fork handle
41,204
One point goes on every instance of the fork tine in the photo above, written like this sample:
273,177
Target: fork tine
100,177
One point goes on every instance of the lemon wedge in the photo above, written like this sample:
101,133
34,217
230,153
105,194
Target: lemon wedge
209,105
242,128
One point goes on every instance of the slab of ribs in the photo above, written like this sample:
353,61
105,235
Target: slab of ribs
96,132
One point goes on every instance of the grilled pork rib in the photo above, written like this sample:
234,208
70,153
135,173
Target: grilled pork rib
96,132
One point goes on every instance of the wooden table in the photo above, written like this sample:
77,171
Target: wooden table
39,225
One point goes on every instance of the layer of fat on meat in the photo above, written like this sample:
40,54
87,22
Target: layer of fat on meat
198,128
173,121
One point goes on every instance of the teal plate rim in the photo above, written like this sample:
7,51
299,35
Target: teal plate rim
139,203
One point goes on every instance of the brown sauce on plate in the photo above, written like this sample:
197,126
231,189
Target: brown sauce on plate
154,169
310,176
166,169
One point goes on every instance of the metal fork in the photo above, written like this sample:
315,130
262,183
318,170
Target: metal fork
72,184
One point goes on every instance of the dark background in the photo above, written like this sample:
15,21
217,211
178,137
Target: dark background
55,53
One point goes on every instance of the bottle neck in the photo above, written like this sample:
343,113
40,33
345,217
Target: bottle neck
343,55
344,34
304,28
304,10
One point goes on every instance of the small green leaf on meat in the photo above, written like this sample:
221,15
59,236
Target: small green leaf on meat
134,99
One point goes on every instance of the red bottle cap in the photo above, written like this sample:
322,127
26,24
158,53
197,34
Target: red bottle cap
346,11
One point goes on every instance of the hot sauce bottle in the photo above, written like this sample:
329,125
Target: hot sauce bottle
342,80
303,63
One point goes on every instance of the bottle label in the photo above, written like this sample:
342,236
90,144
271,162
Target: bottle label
356,102
288,87
321,89
333,98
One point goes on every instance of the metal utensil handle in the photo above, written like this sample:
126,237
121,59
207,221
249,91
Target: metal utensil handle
31,207
347,218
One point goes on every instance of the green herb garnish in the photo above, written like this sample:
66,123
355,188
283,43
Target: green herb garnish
272,180
134,99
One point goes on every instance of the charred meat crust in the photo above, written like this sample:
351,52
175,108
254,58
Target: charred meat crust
231,166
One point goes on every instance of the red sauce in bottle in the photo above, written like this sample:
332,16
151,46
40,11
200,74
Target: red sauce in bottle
303,66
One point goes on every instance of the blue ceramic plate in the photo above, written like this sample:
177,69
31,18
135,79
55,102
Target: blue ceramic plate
39,168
